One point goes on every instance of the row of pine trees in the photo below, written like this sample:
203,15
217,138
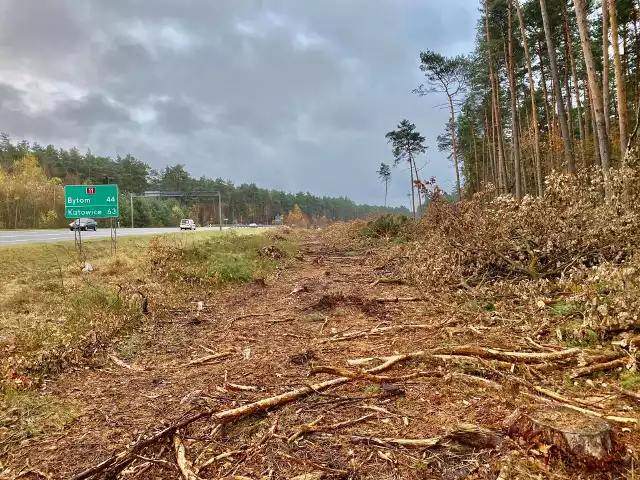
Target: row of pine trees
549,87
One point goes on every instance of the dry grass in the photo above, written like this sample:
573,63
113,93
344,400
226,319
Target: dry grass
54,317
52,314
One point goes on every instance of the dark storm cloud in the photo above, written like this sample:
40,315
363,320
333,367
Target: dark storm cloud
177,117
286,93
10,97
94,109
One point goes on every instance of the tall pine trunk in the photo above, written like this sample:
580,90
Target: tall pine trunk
553,61
574,74
491,146
454,145
594,128
386,189
514,106
534,110
547,108
475,155
620,83
502,174
595,93
418,188
413,194
605,67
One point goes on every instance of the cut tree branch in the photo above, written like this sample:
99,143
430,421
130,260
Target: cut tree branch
117,462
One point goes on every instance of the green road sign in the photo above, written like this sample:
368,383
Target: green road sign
90,201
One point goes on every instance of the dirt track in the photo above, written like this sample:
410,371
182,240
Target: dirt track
302,318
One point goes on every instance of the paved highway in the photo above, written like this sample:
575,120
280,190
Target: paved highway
20,237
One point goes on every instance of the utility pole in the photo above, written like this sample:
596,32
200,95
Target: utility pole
131,210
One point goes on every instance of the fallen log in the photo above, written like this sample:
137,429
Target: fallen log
464,434
599,367
587,360
586,439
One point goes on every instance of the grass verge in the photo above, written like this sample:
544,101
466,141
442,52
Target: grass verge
52,314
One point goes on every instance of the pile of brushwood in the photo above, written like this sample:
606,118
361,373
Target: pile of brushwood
568,244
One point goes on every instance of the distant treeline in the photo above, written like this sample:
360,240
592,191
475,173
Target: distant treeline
32,176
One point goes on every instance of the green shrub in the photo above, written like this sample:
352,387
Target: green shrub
387,227
216,261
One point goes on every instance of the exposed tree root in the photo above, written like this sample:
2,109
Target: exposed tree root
566,403
251,315
525,357
397,281
314,427
323,468
310,476
122,364
560,398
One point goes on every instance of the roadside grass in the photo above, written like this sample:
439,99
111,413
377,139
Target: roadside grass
27,415
53,315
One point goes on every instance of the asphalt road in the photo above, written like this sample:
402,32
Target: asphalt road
20,237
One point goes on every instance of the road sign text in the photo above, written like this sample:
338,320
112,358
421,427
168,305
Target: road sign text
92,201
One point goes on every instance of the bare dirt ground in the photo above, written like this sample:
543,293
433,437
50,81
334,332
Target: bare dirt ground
322,311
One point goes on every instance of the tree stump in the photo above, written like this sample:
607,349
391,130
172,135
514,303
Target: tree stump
587,439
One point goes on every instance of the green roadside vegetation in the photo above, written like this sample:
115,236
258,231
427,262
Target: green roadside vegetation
55,316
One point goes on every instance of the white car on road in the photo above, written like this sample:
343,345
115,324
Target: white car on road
187,224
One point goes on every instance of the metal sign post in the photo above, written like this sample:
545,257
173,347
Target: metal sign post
114,235
92,201
77,237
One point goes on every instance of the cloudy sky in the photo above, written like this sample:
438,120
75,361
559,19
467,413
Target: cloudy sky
289,94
